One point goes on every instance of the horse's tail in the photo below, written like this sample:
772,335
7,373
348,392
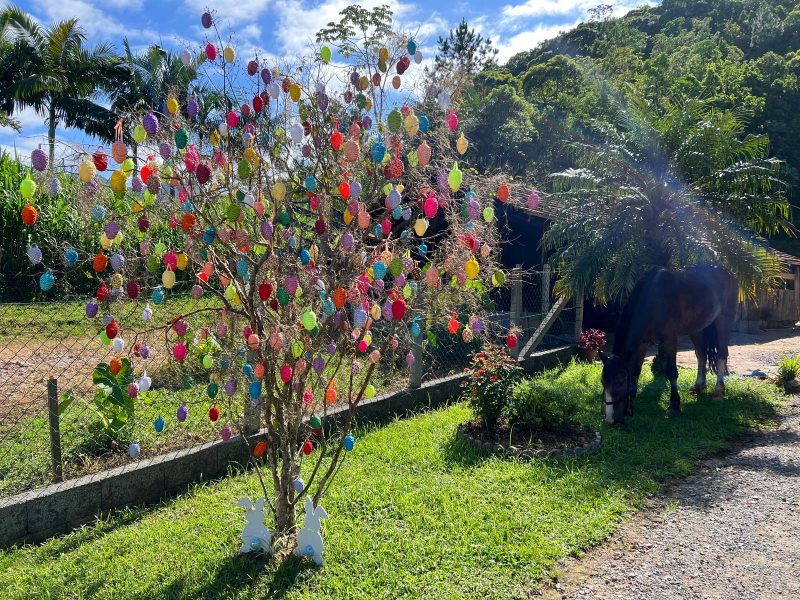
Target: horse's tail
710,342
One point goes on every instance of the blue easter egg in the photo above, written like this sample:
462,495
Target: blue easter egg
133,450
209,235
311,183
379,269
397,212
298,484
159,424
247,370
423,124
423,248
224,362
378,151
242,267
97,212
46,281
414,329
349,442
255,390
327,307
359,317
71,257
305,256
157,296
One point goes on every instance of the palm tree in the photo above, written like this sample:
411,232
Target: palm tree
153,76
62,79
666,188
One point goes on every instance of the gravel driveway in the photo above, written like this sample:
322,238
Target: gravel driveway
731,530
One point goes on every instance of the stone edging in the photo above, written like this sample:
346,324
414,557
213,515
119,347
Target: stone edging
526,453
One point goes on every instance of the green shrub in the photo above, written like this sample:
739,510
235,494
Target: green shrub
490,378
788,368
541,403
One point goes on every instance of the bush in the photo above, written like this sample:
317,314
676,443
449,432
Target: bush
788,368
491,376
541,403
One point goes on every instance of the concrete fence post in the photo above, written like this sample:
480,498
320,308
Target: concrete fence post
252,412
55,429
545,289
515,316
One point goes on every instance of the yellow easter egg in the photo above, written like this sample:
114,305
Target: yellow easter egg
172,106
183,261
471,268
462,144
279,191
229,53
168,279
294,92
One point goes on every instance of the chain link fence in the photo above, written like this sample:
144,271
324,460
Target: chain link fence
49,353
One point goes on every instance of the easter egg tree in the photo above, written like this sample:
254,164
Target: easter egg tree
327,216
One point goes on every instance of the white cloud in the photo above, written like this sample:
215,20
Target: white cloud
527,40
95,21
541,8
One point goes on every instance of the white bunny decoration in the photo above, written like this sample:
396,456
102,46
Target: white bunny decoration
255,536
309,540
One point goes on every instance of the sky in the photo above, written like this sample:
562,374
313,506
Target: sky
284,28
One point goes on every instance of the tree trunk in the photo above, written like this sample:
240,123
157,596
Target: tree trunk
51,133
285,513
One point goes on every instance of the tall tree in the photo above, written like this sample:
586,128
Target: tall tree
464,52
63,79
670,188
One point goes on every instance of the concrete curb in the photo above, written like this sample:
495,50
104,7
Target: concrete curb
34,516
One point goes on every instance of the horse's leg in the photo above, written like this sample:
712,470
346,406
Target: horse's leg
723,339
671,346
700,353
641,352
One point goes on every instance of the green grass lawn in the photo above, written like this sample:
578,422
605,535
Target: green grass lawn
414,514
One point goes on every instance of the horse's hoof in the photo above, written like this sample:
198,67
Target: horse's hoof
719,394
673,412
696,389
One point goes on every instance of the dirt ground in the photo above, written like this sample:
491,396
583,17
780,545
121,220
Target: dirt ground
729,531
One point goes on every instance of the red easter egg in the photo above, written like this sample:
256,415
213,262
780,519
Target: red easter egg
112,329
213,414
398,309
511,340
102,292
264,291
258,104
308,447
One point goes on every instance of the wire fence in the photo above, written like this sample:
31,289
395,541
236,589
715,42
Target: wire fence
49,353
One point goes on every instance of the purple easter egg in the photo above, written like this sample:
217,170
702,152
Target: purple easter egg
183,412
477,326
91,309
347,242
230,386
332,347
267,229
144,351
137,185
165,150
266,76
111,229
318,364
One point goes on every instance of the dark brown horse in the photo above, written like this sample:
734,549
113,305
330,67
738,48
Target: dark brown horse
698,301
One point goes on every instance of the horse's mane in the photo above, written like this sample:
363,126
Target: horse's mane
633,312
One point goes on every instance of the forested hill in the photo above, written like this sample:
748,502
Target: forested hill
739,54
